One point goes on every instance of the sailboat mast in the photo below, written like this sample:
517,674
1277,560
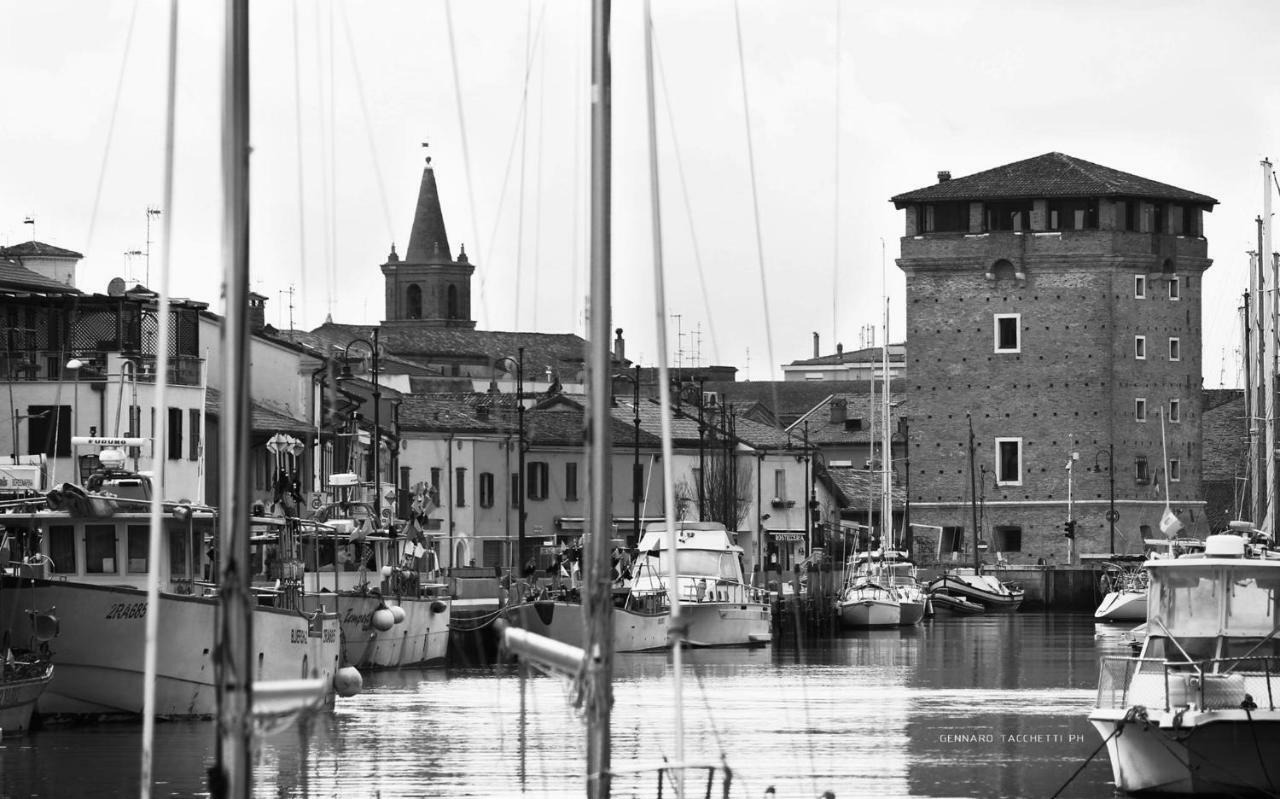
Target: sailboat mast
973,498
597,606
1268,348
886,443
233,652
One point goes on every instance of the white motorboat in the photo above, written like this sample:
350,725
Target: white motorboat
1124,593
1196,712
979,587
86,555
391,616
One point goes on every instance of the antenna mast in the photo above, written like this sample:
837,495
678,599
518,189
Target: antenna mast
151,211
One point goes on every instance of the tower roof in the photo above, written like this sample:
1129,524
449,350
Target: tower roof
428,242
37,249
1049,175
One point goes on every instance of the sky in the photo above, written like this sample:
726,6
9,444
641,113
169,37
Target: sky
776,220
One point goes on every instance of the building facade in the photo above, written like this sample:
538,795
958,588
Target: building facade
1054,305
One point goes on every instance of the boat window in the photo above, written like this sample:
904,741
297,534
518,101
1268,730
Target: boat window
179,559
100,549
693,562
62,548
1187,601
1235,647
139,544
1252,601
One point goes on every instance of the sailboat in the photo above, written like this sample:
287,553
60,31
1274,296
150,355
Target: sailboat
881,589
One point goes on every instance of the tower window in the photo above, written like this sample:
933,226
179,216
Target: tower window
1175,470
1140,347
414,299
1175,410
1175,289
1007,337
1139,287
452,301
1175,349
1140,409
1009,461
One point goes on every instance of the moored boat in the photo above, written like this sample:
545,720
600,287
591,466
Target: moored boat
942,601
22,680
391,616
87,556
981,588
1125,593
1196,712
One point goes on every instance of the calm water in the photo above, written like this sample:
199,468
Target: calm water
874,713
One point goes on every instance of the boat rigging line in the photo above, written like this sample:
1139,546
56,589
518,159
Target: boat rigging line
466,151
297,143
164,334
755,205
111,127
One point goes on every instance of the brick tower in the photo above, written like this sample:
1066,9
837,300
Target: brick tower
1056,304
428,286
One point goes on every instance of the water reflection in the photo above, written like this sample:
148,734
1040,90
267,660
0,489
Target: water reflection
976,706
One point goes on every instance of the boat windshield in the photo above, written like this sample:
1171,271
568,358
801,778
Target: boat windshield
1202,602
696,562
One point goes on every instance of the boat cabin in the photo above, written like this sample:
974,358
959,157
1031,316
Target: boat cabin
708,562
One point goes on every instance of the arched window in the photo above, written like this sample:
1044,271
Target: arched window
1168,267
452,303
1003,270
414,310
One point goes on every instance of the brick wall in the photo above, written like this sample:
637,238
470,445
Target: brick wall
1071,387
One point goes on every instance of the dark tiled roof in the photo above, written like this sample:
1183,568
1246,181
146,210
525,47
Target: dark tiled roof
795,398
428,242
16,277
562,352
37,249
261,418
564,427
857,406
448,413
1049,175
684,426
860,488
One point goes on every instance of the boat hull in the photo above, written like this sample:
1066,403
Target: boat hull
1122,606
421,639
18,700
911,611
563,621
954,604
862,613
101,644
1213,752
728,624
1006,600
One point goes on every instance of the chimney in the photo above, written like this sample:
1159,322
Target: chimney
839,348
257,312
839,410
619,346
815,344
943,176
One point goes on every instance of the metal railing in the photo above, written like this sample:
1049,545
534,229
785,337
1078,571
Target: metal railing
1212,684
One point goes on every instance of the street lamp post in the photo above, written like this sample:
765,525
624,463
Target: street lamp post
520,488
377,430
1111,485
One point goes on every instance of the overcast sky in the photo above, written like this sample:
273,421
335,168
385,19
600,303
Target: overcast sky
1180,92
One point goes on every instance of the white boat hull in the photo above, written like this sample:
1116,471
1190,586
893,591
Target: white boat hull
1220,752
563,621
18,701
421,639
728,624
1122,606
101,644
862,613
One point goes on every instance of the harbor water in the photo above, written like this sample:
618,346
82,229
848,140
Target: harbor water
958,707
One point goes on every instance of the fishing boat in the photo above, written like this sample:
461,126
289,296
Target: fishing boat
391,617
1124,592
1196,712
22,680
86,555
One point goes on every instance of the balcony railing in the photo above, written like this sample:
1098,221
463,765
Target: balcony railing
35,365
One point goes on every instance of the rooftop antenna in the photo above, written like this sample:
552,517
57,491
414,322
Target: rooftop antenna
697,346
129,255
31,220
679,342
151,211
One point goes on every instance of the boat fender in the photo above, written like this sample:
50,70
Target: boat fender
438,607
45,626
54,499
397,614
347,682
383,619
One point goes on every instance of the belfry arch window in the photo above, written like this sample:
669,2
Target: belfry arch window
414,297
452,302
